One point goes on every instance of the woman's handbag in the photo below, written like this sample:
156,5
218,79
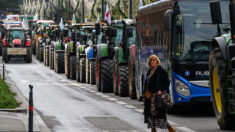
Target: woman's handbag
160,102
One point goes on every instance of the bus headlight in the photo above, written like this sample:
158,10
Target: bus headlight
182,88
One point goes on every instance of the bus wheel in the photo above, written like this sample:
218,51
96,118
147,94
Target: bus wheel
218,87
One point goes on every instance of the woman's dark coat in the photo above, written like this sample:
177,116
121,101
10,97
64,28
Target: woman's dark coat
158,81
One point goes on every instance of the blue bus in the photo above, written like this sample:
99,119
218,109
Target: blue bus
179,32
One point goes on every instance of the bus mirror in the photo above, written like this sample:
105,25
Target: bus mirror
215,12
168,20
97,29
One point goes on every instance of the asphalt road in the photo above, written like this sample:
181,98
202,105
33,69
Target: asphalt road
68,106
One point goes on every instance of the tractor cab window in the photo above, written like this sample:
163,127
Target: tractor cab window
16,34
118,38
132,39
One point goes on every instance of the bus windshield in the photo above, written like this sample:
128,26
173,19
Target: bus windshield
193,30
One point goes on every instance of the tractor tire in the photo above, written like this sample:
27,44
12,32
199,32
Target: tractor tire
28,57
5,57
87,71
106,75
92,72
33,47
44,55
1,46
40,53
72,67
67,66
219,86
131,81
123,81
98,75
47,55
60,62
82,70
115,78
52,60
77,69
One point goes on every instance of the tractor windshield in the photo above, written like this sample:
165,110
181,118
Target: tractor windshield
16,34
193,29
118,38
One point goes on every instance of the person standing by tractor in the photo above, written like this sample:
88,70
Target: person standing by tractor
2,35
157,83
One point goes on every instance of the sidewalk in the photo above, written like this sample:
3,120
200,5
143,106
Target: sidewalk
16,120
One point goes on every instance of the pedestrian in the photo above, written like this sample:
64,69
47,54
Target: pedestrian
157,83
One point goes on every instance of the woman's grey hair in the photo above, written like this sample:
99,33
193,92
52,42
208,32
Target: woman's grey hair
155,57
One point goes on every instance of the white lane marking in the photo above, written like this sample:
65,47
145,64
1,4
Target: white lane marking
63,80
112,99
121,102
173,123
105,96
99,94
139,110
92,91
130,106
24,81
185,129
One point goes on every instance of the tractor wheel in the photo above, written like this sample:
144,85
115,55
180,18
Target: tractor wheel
123,81
60,62
82,70
218,89
1,48
52,60
47,56
33,47
98,75
115,78
106,75
131,81
77,69
87,71
72,67
92,72
67,66
44,55
40,54
28,57
5,57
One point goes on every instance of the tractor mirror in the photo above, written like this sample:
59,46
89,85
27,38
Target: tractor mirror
65,33
232,20
114,32
84,37
215,12
73,36
97,29
129,32
168,20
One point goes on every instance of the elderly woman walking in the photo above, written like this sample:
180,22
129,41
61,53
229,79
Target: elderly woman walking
157,83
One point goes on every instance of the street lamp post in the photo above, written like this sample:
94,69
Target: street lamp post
69,10
102,8
83,12
130,9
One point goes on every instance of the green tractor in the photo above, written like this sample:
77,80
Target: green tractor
83,38
104,57
222,67
126,33
91,52
59,50
54,36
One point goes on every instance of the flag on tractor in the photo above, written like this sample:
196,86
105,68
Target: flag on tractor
108,15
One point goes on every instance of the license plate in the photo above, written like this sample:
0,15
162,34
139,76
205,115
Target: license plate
16,51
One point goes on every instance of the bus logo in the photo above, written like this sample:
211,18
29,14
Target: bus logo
187,73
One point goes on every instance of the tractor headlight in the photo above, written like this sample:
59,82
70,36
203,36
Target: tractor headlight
182,88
